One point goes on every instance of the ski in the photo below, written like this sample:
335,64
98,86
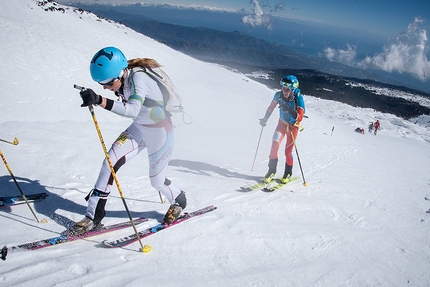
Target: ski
154,229
68,238
254,186
19,199
277,184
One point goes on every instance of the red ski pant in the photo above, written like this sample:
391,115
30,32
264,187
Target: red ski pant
281,131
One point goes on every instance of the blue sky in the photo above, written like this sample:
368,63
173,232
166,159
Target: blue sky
384,17
401,29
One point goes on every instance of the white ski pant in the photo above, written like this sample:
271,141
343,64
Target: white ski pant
158,141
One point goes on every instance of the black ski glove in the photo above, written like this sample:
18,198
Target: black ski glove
263,121
90,98
287,108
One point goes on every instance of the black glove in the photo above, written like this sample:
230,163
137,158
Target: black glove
263,121
90,98
287,108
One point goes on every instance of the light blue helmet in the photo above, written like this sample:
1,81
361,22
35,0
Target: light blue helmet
290,81
107,64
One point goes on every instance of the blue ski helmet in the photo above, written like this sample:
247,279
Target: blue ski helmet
107,64
290,81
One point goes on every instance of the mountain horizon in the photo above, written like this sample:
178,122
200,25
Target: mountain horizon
309,43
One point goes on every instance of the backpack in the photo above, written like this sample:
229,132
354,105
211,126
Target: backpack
295,93
171,97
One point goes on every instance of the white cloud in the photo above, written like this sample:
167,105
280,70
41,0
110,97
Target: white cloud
344,56
407,53
257,18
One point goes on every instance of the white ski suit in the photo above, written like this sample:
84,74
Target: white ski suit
151,129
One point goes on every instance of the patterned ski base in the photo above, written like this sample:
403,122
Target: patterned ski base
68,238
149,231
254,186
277,184
14,200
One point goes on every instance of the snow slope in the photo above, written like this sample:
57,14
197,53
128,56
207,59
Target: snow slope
362,220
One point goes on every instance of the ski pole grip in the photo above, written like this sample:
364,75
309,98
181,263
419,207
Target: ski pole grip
78,87
90,107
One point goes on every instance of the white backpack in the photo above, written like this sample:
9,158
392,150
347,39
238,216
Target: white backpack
171,97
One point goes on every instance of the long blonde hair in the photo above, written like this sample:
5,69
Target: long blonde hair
143,62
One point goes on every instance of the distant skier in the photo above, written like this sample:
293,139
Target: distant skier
376,126
359,130
291,109
151,129
371,127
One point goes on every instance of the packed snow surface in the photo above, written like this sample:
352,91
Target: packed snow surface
362,220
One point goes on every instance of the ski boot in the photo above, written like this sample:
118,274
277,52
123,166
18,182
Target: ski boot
272,170
268,177
287,174
95,198
175,209
86,224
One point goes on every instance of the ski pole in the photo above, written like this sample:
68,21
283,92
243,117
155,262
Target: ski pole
256,151
96,124
17,185
298,159
15,141
161,197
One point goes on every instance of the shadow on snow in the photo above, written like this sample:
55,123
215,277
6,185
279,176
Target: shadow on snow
49,206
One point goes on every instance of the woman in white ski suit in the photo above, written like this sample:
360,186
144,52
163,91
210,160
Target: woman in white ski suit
151,129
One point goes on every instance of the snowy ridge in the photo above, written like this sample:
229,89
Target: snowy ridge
362,220
52,6
424,101
167,6
191,6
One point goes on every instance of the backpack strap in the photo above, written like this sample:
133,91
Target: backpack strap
296,96
149,102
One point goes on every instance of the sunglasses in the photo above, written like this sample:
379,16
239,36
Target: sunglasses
287,83
110,83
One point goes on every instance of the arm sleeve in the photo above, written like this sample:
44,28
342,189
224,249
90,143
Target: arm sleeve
129,109
134,104
272,106
300,113
300,107
273,103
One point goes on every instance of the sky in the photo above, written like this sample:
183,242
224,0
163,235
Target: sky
383,17
390,37
361,220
